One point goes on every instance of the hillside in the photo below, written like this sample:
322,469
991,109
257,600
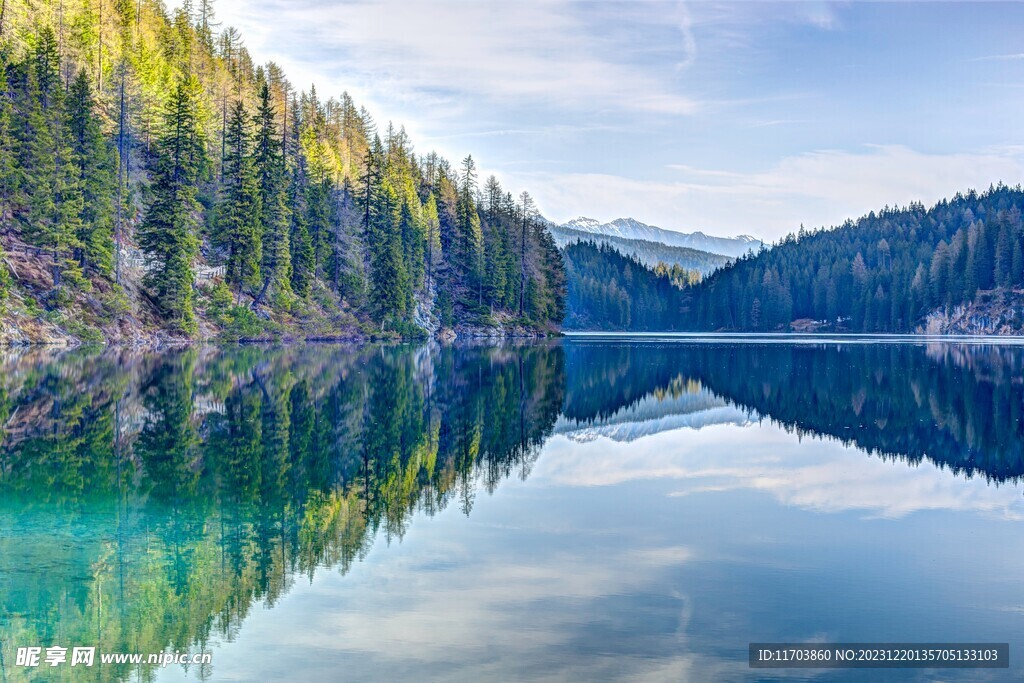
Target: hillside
157,183
647,252
632,229
955,268
609,291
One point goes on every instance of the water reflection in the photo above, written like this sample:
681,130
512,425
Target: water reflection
957,405
150,501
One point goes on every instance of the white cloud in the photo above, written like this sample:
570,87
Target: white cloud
542,50
821,475
820,188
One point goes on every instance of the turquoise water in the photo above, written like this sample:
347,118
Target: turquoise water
600,508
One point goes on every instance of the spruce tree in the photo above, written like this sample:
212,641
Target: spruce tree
95,168
238,227
50,185
274,220
389,283
302,257
8,179
168,233
432,227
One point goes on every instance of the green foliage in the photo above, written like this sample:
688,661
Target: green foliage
305,195
94,163
276,266
882,273
242,323
168,235
219,301
446,308
609,291
680,277
238,229
244,469
84,333
648,253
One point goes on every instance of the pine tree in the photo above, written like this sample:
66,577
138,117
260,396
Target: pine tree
274,219
49,182
168,233
8,179
389,285
470,238
238,223
95,167
432,225
527,211
299,240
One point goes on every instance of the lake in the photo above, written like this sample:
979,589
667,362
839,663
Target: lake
593,508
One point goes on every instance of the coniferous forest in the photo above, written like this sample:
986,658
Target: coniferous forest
612,292
957,267
153,176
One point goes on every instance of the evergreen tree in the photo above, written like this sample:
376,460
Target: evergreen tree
469,250
49,183
8,178
299,239
885,272
95,167
306,194
168,233
432,225
238,223
276,266
388,279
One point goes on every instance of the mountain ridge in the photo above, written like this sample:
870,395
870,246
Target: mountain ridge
631,228
647,252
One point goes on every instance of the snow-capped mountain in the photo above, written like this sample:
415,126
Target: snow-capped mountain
653,415
630,228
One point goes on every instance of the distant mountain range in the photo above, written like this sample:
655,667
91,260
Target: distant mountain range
653,415
632,229
647,252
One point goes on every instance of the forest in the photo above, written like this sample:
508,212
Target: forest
189,487
886,272
649,253
609,291
958,406
154,176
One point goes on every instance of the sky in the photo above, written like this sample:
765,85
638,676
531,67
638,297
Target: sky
729,118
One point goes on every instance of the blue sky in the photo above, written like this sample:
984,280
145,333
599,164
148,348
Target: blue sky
729,118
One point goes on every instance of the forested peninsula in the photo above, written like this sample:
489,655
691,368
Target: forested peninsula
956,268
158,185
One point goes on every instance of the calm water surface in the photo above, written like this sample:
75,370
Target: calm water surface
590,509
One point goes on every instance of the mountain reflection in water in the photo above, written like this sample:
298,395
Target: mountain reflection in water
149,500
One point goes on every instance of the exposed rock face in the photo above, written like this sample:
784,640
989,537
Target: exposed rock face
498,331
997,312
423,315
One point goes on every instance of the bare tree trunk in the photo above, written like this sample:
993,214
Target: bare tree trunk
259,297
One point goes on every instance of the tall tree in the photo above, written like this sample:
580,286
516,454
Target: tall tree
432,225
168,233
49,180
94,162
240,212
273,200
527,211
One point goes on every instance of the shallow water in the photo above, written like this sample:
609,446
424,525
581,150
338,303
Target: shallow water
600,508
